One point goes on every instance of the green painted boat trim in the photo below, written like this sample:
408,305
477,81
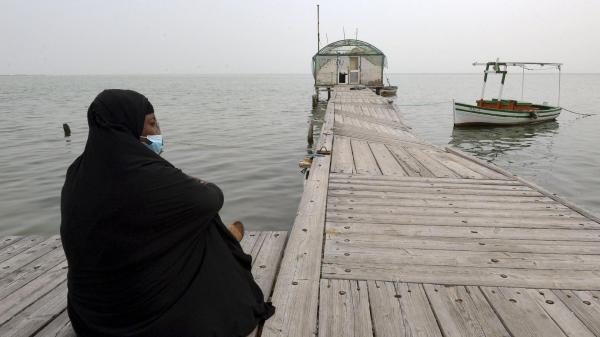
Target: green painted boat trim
509,116
494,101
549,109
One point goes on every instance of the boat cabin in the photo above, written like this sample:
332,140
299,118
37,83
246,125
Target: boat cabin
348,61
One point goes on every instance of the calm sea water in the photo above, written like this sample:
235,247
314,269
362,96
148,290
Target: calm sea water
247,134
244,133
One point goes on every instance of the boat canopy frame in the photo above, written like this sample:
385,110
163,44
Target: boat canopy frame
501,67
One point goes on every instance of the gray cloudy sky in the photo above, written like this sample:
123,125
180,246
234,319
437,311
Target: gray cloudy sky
176,36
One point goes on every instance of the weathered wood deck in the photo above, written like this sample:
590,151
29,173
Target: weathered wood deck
33,289
395,237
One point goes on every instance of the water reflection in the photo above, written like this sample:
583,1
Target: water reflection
490,142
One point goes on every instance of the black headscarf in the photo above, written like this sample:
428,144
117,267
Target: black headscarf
148,254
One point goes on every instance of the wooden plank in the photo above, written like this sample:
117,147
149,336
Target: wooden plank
386,161
342,159
297,287
37,315
595,295
20,246
31,292
22,276
460,220
443,203
405,139
509,233
587,295
414,304
249,240
469,244
412,167
465,193
345,254
258,245
336,176
459,169
339,119
31,254
401,309
586,309
483,170
266,263
266,255
506,277
344,309
9,240
541,214
363,158
430,163
437,190
58,327
388,317
378,119
559,312
362,180
431,196
464,312
520,314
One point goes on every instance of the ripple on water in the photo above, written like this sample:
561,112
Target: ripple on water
236,131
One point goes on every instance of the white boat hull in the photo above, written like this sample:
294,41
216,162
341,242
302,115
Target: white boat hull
465,114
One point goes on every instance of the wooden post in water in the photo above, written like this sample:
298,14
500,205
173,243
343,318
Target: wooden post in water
67,130
309,137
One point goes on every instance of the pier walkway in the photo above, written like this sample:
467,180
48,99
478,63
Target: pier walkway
396,237
33,287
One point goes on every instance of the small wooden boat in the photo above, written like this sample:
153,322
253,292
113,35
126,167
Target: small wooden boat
388,90
500,111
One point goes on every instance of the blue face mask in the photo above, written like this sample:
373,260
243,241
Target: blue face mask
156,143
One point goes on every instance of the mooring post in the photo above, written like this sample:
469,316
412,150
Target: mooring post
67,130
309,137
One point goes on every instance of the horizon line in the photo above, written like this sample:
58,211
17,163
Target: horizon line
229,74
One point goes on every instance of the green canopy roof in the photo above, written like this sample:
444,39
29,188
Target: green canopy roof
349,47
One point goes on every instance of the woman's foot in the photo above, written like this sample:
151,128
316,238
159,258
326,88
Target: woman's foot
237,230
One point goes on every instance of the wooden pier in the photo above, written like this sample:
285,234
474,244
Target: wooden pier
33,287
396,237
393,237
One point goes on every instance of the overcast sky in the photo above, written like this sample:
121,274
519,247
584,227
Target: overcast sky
176,36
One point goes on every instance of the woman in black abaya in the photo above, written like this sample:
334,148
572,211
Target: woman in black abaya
148,254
